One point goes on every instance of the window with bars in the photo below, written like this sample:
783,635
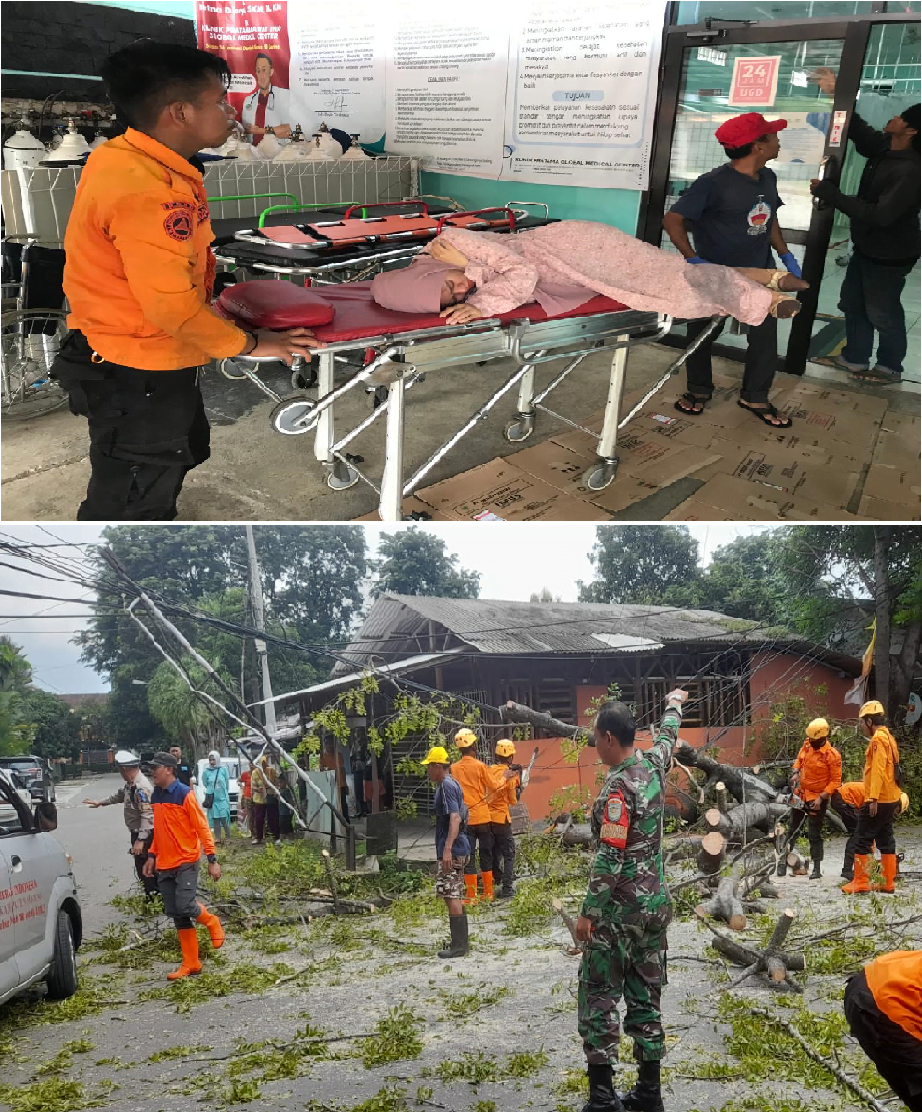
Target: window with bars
557,698
712,701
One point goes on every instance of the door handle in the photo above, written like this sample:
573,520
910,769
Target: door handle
826,170
15,863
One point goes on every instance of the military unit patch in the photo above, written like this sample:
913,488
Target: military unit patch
615,827
179,225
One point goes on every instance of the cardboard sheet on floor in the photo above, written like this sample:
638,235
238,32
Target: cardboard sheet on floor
891,485
804,471
910,424
879,510
897,448
814,395
502,489
736,499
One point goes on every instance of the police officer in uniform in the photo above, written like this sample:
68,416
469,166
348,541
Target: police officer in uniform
627,909
139,814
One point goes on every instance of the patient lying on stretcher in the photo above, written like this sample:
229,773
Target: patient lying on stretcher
465,276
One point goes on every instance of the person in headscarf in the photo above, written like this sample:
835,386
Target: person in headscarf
463,276
216,782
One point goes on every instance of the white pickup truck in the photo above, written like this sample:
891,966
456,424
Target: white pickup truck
41,926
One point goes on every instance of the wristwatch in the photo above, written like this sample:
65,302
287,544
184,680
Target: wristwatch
212,859
270,130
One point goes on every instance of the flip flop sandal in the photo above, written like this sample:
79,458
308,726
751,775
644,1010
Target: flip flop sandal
880,379
767,412
700,403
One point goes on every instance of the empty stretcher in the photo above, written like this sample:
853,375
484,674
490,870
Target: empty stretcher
401,348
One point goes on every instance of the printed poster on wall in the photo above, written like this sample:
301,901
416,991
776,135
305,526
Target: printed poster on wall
446,88
295,65
754,82
581,94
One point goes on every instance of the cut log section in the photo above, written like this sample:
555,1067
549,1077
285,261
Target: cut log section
711,853
725,904
796,863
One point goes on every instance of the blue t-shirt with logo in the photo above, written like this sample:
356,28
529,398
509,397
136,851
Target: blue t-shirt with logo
449,800
731,216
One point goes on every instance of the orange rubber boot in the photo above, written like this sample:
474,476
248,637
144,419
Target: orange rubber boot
862,881
191,966
888,868
213,925
470,888
487,884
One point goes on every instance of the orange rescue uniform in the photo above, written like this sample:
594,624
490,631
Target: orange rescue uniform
853,793
140,271
181,830
879,760
476,784
820,771
895,981
502,794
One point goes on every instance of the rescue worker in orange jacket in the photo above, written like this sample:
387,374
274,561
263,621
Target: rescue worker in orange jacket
504,794
847,803
476,783
181,832
883,1006
881,802
139,277
817,774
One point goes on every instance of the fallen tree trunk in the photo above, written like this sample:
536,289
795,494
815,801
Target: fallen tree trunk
577,834
771,962
725,904
796,863
744,817
517,713
742,785
740,954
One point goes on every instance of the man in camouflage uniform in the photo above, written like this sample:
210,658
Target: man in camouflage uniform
627,909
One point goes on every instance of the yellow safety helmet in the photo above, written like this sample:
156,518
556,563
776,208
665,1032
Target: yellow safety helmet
818,728
465,738
437,755
505,748
904,802
873,707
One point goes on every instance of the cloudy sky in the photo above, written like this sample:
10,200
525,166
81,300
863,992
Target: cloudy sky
515,559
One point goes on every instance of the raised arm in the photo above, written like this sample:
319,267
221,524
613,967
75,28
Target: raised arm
668,733
504,279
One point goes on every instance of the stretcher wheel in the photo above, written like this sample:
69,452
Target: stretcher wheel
341,476
600,474
288,412
520,429
304,378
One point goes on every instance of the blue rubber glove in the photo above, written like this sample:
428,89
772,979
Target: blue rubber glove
695,259
793,266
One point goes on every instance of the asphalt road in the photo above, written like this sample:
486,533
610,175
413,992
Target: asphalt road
97,840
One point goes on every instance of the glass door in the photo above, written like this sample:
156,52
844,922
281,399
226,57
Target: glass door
715,73
890,82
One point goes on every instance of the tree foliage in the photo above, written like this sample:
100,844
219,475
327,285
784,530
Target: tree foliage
15,677
312,584
416,563
54,728
639,563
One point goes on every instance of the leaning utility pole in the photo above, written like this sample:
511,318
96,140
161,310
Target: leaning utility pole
259,620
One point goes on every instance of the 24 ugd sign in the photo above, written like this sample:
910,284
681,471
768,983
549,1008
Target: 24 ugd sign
755,82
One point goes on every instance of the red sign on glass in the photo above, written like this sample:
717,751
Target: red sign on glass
755,82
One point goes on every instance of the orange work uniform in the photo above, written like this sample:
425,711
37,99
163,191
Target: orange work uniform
476,784
502,795
879,760
852,792
895,981
820,771
181,830
140,271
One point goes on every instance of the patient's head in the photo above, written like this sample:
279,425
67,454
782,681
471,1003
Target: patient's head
420,288
455,288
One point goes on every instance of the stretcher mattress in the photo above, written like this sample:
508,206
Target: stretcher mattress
356,315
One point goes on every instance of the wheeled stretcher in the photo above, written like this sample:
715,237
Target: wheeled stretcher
328,247
401,348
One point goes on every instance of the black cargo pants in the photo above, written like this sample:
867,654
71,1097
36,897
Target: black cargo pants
147,429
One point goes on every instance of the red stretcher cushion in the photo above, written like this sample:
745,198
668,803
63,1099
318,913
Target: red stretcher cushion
276,305
349,312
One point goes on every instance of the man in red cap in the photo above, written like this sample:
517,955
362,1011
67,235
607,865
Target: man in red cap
733,210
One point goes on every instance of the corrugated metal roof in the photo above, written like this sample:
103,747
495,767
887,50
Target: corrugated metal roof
399,624
394,667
